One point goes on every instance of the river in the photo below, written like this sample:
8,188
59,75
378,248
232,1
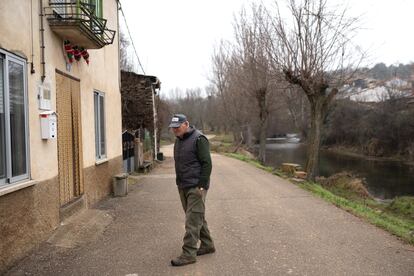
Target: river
385,179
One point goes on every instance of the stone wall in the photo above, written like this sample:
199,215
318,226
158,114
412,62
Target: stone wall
137,102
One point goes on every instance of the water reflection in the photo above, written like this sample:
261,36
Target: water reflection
384,179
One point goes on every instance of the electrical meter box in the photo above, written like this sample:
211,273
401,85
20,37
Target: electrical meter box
48,124
44,96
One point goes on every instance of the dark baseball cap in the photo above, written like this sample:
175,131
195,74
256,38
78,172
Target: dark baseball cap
177,120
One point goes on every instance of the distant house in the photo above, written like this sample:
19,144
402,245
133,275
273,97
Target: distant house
139,107
376,91
56,57
360,83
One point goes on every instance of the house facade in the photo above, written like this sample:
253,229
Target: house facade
60,115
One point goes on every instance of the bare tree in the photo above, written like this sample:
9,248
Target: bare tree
192,103
251,56
214,118
297,108
127,63
163,116
314,52
233,107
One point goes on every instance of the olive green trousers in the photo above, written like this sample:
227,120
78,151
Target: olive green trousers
193,201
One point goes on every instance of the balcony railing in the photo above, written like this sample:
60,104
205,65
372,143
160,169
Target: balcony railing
76,21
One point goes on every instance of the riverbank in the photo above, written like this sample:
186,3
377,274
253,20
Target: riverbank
355,152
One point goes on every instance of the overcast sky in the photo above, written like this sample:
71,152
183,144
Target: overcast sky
175,39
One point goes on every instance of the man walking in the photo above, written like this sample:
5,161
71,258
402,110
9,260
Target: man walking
193,168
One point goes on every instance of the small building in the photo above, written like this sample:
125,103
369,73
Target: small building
60,115
139,116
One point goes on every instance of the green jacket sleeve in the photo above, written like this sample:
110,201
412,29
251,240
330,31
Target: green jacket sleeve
203,154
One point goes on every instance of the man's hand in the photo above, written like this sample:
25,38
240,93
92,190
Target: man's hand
200,191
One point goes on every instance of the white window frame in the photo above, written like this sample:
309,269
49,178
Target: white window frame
97,118
9,179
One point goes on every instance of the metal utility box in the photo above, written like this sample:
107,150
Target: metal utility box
48,125
45,98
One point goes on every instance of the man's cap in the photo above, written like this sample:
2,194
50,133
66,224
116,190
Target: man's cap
177,120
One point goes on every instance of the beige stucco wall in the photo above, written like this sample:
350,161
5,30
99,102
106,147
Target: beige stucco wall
102,74
16,37
35,210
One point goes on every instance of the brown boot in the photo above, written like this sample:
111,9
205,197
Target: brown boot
182,260
206,250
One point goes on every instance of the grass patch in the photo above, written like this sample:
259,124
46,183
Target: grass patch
221,147
402,205
222,143
250,161
401,227
346,185
255,163
396,217
223,138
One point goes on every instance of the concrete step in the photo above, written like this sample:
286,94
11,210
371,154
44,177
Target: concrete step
72,208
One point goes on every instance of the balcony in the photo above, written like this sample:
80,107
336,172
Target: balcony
76,21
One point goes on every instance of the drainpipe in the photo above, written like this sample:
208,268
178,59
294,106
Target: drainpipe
42,41
32,70
118,7
155,121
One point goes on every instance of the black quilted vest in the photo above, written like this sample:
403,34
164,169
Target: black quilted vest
187,165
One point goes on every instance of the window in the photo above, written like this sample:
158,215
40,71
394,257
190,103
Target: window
2,124
98,7
13,119
100,139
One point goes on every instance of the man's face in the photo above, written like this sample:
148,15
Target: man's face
179,131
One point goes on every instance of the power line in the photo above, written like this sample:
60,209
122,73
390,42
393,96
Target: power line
129,33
